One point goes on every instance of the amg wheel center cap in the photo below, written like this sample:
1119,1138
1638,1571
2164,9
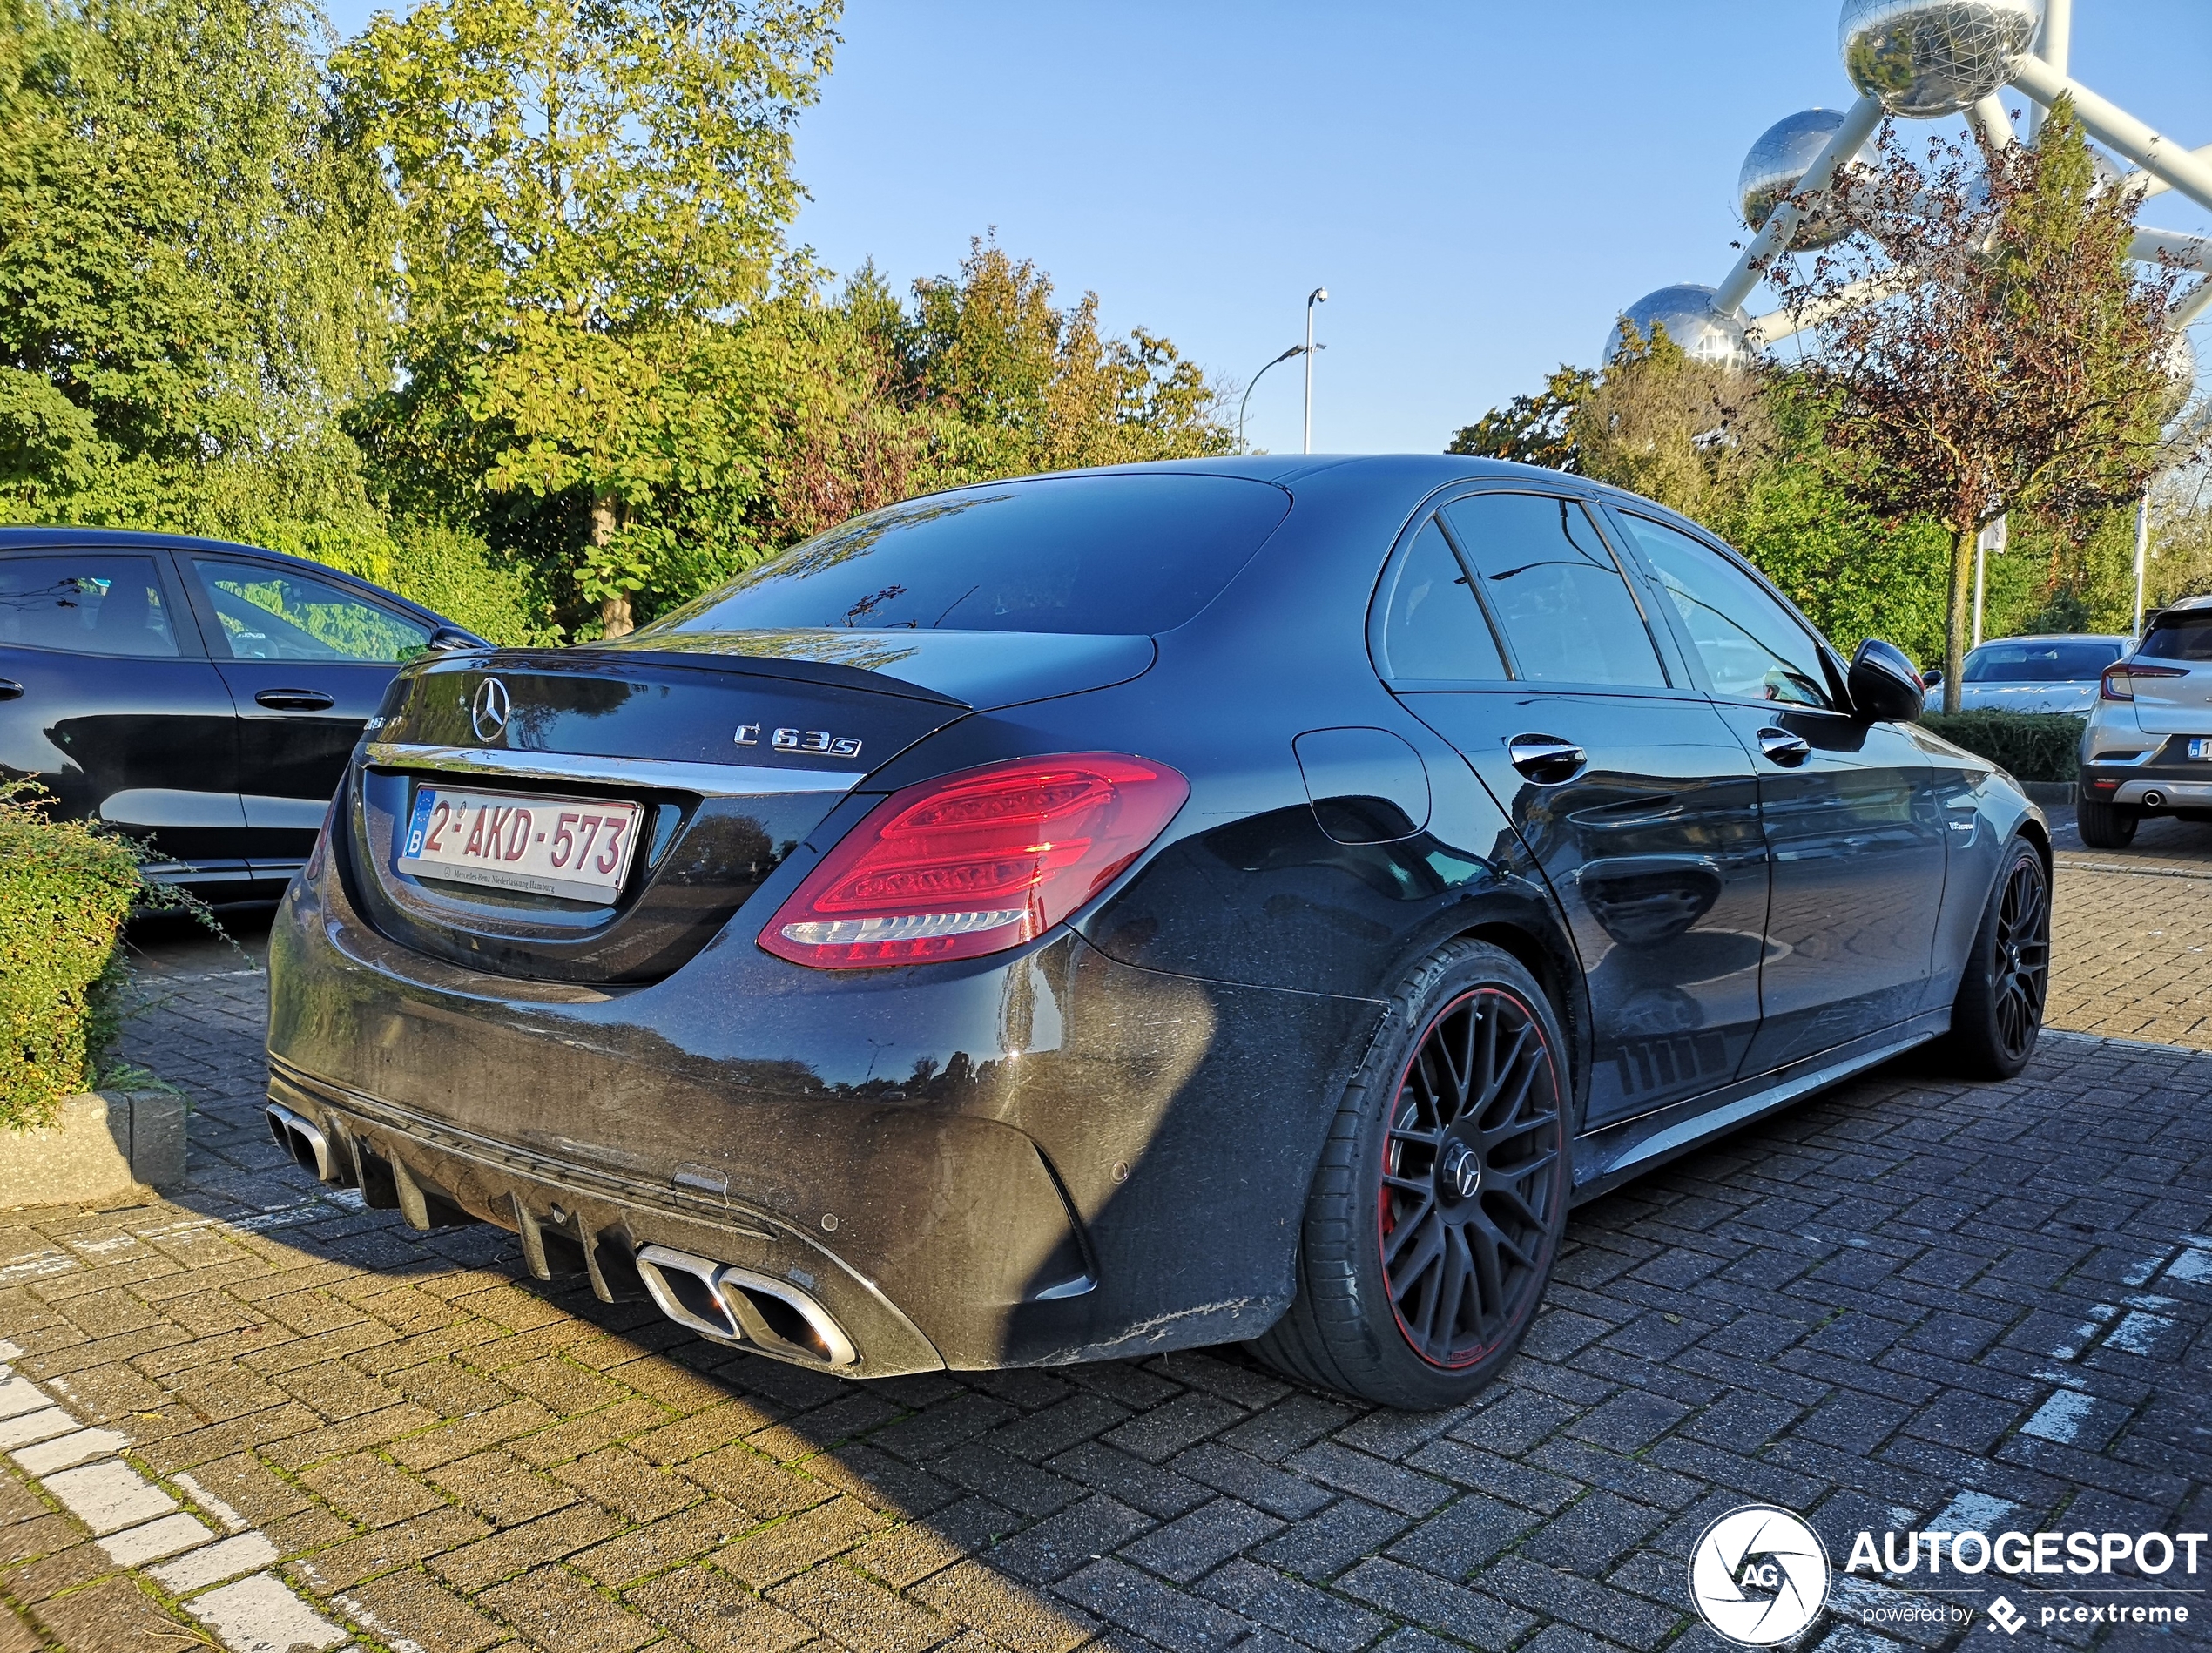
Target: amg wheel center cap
1460,1171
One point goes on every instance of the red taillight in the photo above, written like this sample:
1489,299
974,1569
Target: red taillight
976,862
2116,684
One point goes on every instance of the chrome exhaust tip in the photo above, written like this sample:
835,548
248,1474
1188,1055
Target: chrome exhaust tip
733,1305
2154,798
304,1141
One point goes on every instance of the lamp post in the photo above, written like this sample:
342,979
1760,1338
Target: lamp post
1319,295
1295,350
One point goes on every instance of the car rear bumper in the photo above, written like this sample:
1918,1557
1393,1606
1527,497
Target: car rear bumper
1044,1156
2153,780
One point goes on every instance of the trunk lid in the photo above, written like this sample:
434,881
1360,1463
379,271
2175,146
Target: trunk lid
731,747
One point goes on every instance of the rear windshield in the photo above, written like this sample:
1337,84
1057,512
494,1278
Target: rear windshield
2039,662
1082,554
2180,637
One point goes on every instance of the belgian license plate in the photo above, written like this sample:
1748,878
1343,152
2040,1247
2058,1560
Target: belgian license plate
2201,747
574,848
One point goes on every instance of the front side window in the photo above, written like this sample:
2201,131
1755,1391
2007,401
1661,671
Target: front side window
1087,555
270,613
89,603
1752,647
1432,627
2186,636
1554,590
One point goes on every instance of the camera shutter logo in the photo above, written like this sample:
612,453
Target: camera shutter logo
1759,1575
488,712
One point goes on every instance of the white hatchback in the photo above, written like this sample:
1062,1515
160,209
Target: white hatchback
2148,750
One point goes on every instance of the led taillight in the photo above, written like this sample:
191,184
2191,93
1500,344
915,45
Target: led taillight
976,862
2117,682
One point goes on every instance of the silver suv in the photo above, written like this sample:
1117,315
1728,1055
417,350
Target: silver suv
2148,750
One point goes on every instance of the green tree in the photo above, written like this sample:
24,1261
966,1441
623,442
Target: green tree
584,194
2019,365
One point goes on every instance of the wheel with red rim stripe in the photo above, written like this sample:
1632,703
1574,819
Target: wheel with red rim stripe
1438,1204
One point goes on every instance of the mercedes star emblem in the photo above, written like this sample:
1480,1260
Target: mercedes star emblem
488,711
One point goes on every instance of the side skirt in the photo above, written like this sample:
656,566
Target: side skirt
1615,1154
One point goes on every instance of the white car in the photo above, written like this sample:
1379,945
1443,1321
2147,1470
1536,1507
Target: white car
2148,750
2037,674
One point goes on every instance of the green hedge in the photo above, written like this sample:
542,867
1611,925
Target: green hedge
65,889
2033,746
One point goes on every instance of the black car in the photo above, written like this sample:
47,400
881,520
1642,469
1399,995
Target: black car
201,694
1082,916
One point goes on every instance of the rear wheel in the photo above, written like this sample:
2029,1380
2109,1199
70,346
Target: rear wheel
1436,1208
1998,1013
2106,826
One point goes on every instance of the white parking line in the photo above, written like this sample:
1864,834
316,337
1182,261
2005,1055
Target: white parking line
136,1522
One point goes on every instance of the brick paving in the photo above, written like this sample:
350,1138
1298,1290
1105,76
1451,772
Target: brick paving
1909,1304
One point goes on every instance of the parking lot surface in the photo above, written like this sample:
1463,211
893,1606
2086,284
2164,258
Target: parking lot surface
1911,1304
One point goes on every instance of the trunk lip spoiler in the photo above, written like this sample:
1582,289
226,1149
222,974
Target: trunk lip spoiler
671,774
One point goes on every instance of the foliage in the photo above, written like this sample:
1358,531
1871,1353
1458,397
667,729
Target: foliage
2030,746
1532,430
65,889
2015,364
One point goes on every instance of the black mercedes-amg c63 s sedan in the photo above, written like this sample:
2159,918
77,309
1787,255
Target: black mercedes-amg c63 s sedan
1081,916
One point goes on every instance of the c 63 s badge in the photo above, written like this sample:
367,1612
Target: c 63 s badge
801,740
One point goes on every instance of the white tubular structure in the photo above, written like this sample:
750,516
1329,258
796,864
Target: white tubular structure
1776,325
2155,153
1773,240
1992,123
2054,48
2190,251
2191,308
2145,185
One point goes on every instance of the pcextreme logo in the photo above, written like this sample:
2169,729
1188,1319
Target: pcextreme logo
1759,1575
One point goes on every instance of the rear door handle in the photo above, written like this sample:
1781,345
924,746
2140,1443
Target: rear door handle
295,700
1546,760
10,689
1784,748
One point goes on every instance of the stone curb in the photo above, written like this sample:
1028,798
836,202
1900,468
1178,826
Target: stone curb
102,1146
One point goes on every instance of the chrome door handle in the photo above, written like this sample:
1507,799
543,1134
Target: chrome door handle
1784,748
1546,760
10,689
295,700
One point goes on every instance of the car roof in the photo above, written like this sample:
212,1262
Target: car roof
45,536
2187,604
2055,637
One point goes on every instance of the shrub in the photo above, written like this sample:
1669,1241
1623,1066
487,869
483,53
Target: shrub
2033,746
66,886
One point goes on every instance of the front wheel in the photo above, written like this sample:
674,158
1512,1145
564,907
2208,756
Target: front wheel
1436,1211
2105,825
1998,1013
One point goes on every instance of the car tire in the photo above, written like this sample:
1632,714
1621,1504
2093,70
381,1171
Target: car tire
2104,826
1998,1013
1440,1195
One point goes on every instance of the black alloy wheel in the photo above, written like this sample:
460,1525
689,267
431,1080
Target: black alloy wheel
1998,1016
1467,1178
1439,1199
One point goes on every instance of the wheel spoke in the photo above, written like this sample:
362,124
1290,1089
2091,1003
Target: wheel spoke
1427,1245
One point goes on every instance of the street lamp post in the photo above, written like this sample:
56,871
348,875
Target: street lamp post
1319,295
1295,350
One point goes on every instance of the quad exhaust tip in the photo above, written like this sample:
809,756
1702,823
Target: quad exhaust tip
304,1141
733,1305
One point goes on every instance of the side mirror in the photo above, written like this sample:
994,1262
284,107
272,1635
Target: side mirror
1933,676
1885,685
452,637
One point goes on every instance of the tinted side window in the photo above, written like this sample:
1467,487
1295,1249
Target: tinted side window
1072,554
1753,648
1432,627
270,613
1555,590
2186,636
89,602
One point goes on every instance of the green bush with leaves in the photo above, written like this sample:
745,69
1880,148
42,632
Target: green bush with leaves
2031,745
66,886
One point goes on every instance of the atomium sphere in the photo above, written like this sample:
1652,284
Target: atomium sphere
1687,312
1778,163
1923,58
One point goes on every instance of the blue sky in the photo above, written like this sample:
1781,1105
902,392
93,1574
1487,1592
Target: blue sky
1481,187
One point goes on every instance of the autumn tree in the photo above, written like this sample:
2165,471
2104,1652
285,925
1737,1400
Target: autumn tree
2018,364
